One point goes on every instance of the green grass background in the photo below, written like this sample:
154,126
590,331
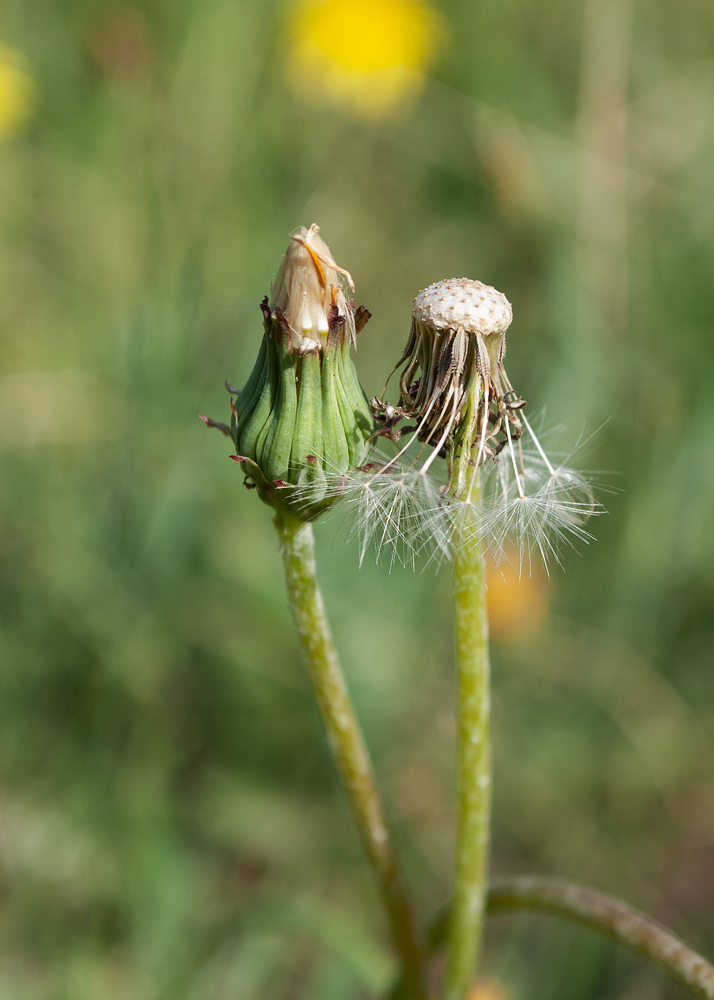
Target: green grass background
170,822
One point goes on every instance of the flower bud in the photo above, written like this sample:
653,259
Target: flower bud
306,288
302,418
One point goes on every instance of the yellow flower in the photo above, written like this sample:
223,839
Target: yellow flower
17,92
367,55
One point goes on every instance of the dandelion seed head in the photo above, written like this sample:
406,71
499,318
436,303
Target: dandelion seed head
501,487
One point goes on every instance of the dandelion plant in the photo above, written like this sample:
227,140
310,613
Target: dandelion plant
306,438
453,384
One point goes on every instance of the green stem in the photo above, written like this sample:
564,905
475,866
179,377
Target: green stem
604,914
474,758
347,743
609,916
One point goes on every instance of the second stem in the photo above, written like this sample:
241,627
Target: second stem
474,760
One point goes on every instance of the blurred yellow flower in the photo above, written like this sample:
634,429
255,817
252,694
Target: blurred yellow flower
368,55
487,989
17,92
517,597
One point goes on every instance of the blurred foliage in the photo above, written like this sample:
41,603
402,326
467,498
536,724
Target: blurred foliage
170,822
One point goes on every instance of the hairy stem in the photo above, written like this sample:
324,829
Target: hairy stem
347,743
474,760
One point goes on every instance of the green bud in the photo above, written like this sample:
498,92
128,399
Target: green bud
302,420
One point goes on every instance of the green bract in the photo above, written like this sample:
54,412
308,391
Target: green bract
302,419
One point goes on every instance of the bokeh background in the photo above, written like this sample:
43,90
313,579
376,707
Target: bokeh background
170,821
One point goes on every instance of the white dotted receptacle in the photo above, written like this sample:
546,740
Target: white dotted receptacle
464,303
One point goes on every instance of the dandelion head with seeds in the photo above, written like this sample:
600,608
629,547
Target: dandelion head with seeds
457,403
